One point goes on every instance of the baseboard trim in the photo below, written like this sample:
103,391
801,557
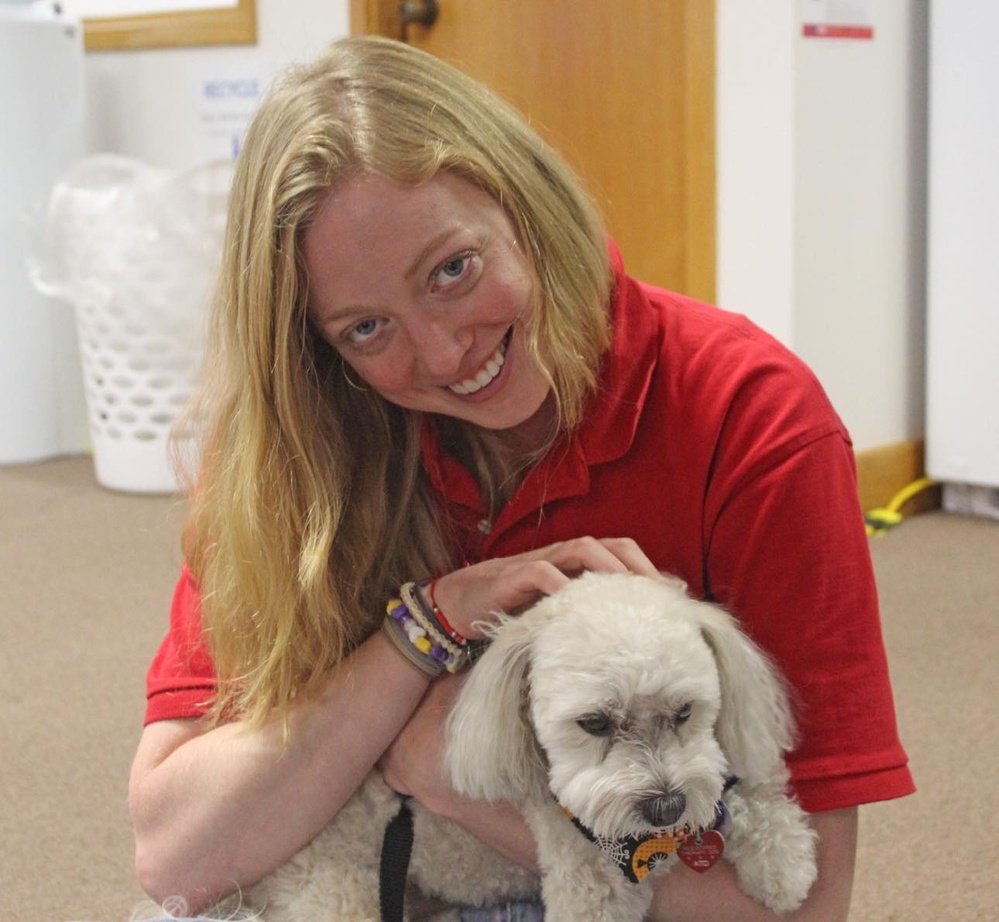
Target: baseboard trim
882,472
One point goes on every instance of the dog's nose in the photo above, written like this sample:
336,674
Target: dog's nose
664,809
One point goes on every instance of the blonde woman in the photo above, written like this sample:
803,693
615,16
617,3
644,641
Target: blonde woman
428,365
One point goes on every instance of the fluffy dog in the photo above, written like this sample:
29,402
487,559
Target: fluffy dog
653,721
634,726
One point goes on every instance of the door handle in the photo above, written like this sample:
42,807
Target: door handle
419,12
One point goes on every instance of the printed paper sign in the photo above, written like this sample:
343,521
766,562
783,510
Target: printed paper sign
227,98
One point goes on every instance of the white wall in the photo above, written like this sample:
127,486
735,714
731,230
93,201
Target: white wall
149,104
755,161
820,177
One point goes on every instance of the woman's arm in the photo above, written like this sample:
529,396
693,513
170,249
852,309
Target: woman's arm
686,896
412,765
217,809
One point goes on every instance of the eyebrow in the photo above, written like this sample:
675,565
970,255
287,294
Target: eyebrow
427,250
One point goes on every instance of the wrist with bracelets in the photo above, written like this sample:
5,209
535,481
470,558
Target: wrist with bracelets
422,634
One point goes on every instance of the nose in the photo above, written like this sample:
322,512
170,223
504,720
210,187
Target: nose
663,809
440,349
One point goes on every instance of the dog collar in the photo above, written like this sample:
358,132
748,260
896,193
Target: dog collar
636,856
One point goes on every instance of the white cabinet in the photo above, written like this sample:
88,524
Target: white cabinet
962,431
42,406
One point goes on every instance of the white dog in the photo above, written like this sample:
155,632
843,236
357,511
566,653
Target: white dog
634,726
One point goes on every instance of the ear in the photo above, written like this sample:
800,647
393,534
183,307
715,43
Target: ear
755,727
491,751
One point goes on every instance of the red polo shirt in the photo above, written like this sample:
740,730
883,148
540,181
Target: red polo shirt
716,449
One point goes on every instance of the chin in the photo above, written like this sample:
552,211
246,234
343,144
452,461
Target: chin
521,414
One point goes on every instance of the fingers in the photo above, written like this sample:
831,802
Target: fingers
477,593
602,555
507,584
631,555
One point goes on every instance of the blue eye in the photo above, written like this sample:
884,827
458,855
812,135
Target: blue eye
363,330
453,270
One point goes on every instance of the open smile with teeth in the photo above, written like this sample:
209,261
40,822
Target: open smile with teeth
486,374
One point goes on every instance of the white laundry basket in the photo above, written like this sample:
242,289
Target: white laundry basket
136,250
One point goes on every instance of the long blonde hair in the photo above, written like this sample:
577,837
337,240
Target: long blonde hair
311,506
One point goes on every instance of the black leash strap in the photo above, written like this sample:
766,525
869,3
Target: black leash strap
396,849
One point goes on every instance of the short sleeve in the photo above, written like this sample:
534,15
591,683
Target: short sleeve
789,556
181,679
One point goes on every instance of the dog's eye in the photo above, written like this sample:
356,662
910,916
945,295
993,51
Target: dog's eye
683,715
596,724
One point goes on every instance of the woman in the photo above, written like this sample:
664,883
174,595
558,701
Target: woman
427,361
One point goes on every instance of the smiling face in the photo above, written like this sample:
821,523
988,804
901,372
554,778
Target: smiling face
424,291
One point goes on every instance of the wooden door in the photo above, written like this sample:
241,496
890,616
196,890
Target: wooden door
623,88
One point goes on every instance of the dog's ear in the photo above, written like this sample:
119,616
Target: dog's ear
755,727
491,751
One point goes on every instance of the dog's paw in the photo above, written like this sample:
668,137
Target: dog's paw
773,849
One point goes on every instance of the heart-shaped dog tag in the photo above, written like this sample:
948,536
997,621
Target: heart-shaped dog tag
701,851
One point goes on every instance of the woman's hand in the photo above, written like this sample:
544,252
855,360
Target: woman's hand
506,584
412,764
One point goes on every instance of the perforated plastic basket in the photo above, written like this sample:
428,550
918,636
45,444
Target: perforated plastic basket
136,250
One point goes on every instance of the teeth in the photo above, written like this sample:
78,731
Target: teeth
485,375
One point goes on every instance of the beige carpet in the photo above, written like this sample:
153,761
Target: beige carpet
85,581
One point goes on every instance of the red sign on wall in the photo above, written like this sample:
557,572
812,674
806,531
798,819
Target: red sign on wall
837,18
835,30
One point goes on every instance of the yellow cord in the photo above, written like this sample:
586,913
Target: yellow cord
883,518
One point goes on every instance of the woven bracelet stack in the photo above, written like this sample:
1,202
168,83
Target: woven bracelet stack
419,630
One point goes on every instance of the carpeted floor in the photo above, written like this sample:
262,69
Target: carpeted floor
85,582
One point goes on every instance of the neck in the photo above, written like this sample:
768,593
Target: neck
525,442
499,459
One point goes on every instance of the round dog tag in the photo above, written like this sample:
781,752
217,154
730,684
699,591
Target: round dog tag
701,851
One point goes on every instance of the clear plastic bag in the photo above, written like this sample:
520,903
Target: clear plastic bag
135,250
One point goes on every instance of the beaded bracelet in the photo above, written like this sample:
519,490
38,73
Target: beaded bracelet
413,601
424,616
419,638
393,629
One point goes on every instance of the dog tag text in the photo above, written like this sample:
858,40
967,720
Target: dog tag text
701,851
